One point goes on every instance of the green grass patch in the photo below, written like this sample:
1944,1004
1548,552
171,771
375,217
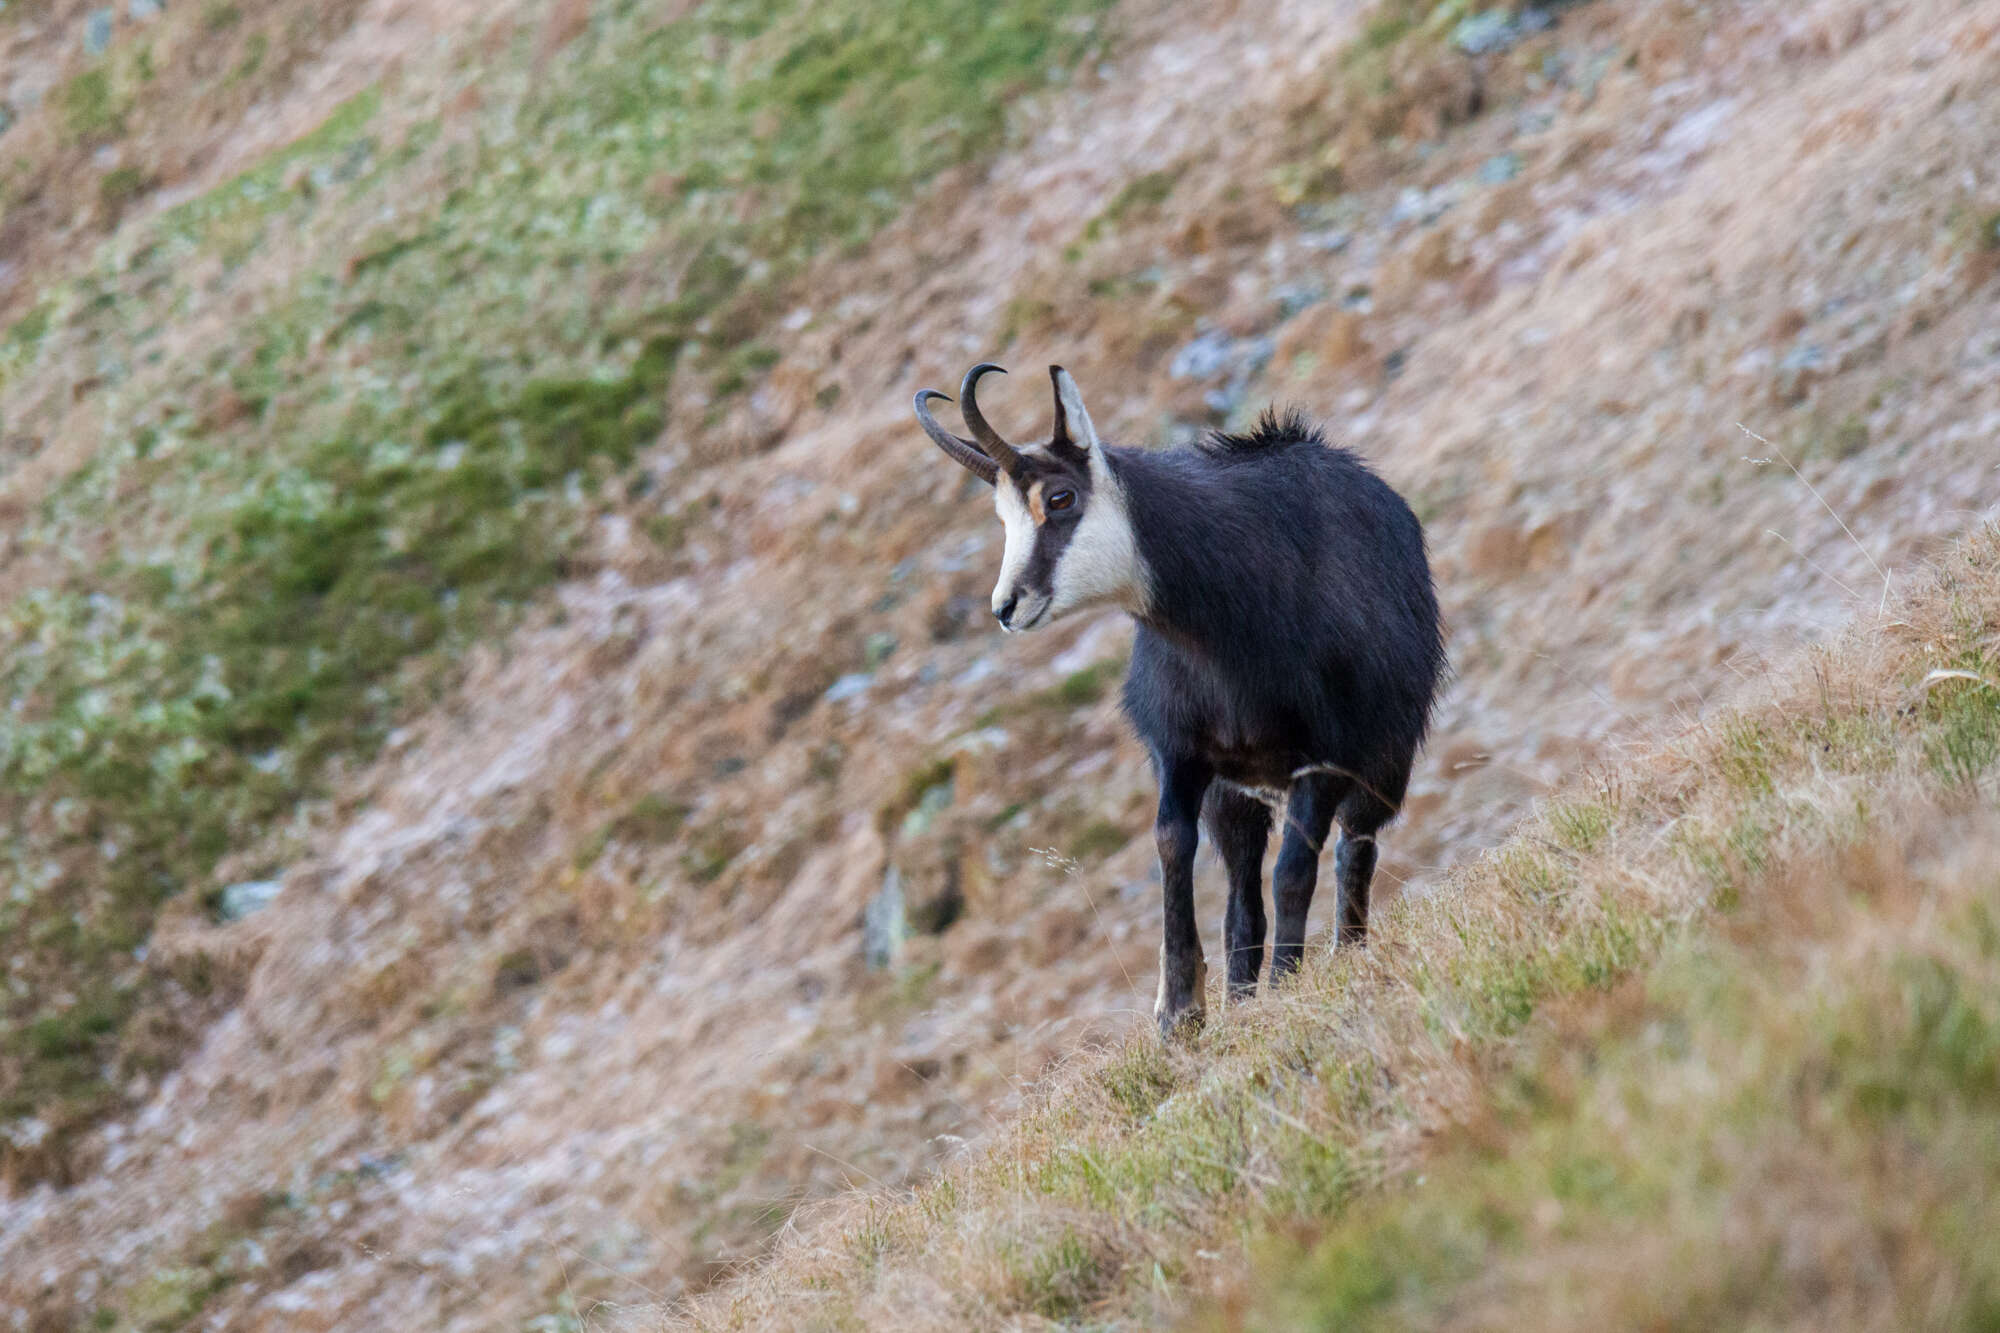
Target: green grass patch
1581,826
1663,1154
286,576
653,819
92,110
23,339
932,780
120,186
1097,839
1058,1279
1082,688
1138,1079
1963,707
256,193
1141,194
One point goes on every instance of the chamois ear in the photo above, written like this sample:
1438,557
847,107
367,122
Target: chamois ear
1072,421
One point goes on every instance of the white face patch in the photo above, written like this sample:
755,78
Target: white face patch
1101,563
1097,560
1012,507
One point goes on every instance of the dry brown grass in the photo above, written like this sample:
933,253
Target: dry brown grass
1784,847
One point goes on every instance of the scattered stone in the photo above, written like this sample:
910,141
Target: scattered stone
851,686
1492,30
97,32
1804,366
883,926
1499,170
986,740
142,10
240,900
1424,207
935,801
1216,355
1327,242
1203,358
1297,296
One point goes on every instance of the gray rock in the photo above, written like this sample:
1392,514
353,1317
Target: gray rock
1327,242
142,10
1804,366
1297,296
1499,170
1206,356
240,900
1488,30
851,686
97,32
1216,355
1425,206
1496,30
935,801
883,924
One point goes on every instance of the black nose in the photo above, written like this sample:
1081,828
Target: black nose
1005,615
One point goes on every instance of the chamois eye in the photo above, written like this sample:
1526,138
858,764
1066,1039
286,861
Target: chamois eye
1061,500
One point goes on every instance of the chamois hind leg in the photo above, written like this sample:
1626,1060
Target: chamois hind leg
1241,827
1360,815
1177,832
1308,815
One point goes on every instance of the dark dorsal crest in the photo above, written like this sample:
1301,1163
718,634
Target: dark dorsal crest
986,455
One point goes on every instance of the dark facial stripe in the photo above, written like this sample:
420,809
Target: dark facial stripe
1052,538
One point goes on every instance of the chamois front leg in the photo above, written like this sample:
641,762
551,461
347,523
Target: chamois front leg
1179,1006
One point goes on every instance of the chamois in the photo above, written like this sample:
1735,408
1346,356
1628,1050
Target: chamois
1288,649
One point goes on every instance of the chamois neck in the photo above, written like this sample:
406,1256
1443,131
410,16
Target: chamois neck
1199,540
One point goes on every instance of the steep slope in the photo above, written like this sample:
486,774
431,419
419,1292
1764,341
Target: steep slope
1710,1041
534,392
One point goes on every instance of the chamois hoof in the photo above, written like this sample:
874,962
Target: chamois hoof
1184,1025
1180,1007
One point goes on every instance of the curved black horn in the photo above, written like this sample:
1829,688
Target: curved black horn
963,452
989,439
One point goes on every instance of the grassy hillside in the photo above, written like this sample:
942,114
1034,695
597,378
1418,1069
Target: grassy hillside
453,344
1712,1040
456,474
